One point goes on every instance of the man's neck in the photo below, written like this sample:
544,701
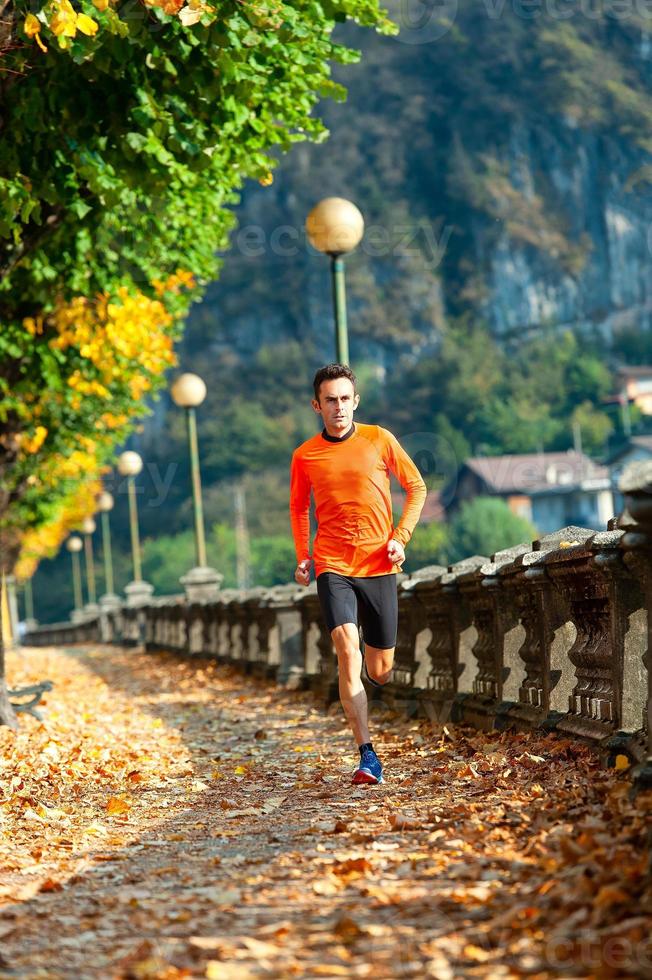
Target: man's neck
336,438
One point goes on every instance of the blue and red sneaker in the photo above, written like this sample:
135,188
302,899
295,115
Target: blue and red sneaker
370,769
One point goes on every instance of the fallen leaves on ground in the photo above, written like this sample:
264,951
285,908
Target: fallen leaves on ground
173,820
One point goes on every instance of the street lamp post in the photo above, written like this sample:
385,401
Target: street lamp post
88,528
30,622
74,546
105,504
202,581
138,592
335,226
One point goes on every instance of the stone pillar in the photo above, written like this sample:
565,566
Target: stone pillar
540,675
286,647
252,630
442,617
226,620
195,628
493,619
586,574
636,521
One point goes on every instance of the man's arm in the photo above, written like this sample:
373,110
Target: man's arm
410,479
300,510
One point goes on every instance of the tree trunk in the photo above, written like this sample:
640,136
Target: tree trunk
7,714
9,550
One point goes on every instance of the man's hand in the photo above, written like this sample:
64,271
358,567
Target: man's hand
395,552
302,574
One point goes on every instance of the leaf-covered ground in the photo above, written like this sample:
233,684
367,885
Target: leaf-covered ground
171,819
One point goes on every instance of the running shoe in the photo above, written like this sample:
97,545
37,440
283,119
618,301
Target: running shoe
370,769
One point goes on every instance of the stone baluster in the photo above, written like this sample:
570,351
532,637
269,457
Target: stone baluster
252,621
284,637
466,633
234,624
227,623
509,631
208,628
176,641
480,589
636,521
446,618
600,596
321,661
310,614
590,710
195,628
540,675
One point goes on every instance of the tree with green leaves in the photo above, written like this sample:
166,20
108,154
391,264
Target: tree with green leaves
485,525
126,134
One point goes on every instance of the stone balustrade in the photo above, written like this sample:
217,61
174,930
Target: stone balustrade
552,635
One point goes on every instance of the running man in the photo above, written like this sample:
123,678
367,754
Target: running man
357,549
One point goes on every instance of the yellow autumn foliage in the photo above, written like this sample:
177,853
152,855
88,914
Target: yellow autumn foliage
44,541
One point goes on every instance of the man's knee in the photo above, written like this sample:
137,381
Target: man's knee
378,674
379,665
346,641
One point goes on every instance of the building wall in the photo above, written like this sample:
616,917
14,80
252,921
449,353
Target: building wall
590,509
640,390
522,505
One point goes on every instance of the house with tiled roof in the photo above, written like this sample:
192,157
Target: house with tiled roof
551,490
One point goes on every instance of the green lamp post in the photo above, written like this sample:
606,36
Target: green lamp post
137,591
88,529
335,226
105,503
74,546
201,582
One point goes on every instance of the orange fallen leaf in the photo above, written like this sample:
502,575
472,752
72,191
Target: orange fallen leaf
610,895
360,865
400,822
117,805
476,953
49,885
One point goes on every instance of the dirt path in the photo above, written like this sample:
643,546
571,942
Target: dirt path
172,819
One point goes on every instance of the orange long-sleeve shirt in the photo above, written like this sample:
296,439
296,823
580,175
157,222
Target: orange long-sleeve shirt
349,479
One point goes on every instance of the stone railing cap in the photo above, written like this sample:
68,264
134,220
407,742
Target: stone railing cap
467,566
606,539
282,594
254,595
565,537
503,558
427,575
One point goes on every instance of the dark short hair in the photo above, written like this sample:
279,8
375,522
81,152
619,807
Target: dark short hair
331,372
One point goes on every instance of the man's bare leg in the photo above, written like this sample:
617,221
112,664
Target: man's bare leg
346,641
352,693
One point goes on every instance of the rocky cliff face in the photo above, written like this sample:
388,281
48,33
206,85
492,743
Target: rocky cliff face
503,170
586,183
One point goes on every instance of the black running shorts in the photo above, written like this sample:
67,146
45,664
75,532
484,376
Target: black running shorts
371,602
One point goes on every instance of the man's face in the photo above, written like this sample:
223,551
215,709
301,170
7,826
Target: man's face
337,402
